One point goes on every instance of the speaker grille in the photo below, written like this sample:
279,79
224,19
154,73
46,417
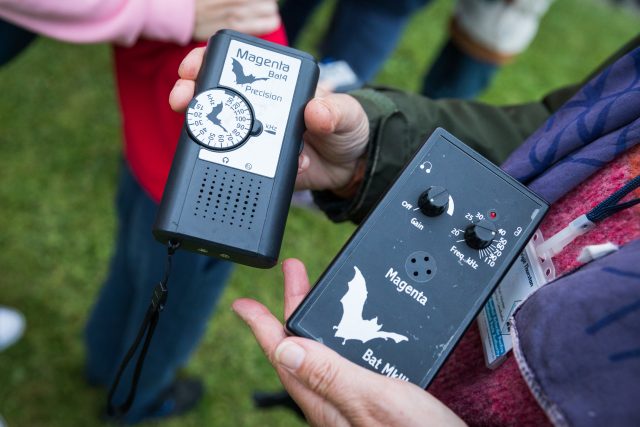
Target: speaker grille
228,198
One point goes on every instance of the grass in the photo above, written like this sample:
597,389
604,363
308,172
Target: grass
59,152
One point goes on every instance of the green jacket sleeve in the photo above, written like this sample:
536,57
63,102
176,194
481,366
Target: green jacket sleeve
400,123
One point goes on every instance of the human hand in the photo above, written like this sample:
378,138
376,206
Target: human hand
336,137
329,389
246,16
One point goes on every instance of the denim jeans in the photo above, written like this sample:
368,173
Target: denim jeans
13,40
195,285
454,74
365,34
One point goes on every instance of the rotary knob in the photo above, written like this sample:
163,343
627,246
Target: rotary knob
434,201
480,235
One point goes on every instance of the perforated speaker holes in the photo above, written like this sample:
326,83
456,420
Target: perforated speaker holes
228,198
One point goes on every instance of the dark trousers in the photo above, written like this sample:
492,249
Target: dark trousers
365,33
195,285
13,40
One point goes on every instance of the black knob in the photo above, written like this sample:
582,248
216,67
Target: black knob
480,235
257,129
434,201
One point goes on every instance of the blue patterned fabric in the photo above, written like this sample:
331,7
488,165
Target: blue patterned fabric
601,121
578,338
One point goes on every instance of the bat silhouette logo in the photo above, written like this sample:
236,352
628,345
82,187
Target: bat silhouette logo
352,326
241,77
213,116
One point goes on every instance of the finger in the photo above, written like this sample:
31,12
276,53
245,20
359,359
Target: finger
181,94
265,327
303,163
317,175
258,9
323,89
296,285
191,64
269,333
335,113
302,179
326,373
317,410
259,25
357,395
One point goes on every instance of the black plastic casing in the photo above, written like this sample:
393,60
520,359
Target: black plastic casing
252,237
424,283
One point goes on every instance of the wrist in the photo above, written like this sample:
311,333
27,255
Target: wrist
350,189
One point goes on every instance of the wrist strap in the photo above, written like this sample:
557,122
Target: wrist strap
584,223
148,327
611,206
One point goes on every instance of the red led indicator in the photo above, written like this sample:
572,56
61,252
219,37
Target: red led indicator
493,214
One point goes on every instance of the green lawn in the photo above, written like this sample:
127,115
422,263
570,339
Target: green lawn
59,152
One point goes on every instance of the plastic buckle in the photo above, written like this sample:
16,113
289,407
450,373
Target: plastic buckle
159,299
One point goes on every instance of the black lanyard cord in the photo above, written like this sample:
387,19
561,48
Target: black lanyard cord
148,326
579,226
611,206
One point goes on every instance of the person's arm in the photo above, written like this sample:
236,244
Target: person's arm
125,21
119,21
356,144
399,123
331,390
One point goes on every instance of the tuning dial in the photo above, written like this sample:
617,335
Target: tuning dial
480,235
434,201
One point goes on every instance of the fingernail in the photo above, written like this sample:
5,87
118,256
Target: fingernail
304,160
290,355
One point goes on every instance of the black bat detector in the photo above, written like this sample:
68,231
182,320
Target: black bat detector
417,271
232,177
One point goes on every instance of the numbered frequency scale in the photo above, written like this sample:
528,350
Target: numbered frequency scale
233,173
418,270
221,119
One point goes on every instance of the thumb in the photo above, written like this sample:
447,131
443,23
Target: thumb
325,372
335,113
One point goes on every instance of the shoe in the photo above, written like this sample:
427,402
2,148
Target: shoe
337,76
12,326
269,400
181,396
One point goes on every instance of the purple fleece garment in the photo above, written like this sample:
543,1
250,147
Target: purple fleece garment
578,343
577,339
598,123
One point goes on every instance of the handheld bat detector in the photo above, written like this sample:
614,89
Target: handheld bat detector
232,177
410,281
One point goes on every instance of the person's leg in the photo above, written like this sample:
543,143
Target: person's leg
364,34
484,34
195,285
295,14
13,40
111,311
456,74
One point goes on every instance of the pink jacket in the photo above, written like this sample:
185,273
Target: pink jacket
118,21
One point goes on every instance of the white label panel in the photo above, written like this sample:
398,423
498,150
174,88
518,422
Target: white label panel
267,80
527,274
